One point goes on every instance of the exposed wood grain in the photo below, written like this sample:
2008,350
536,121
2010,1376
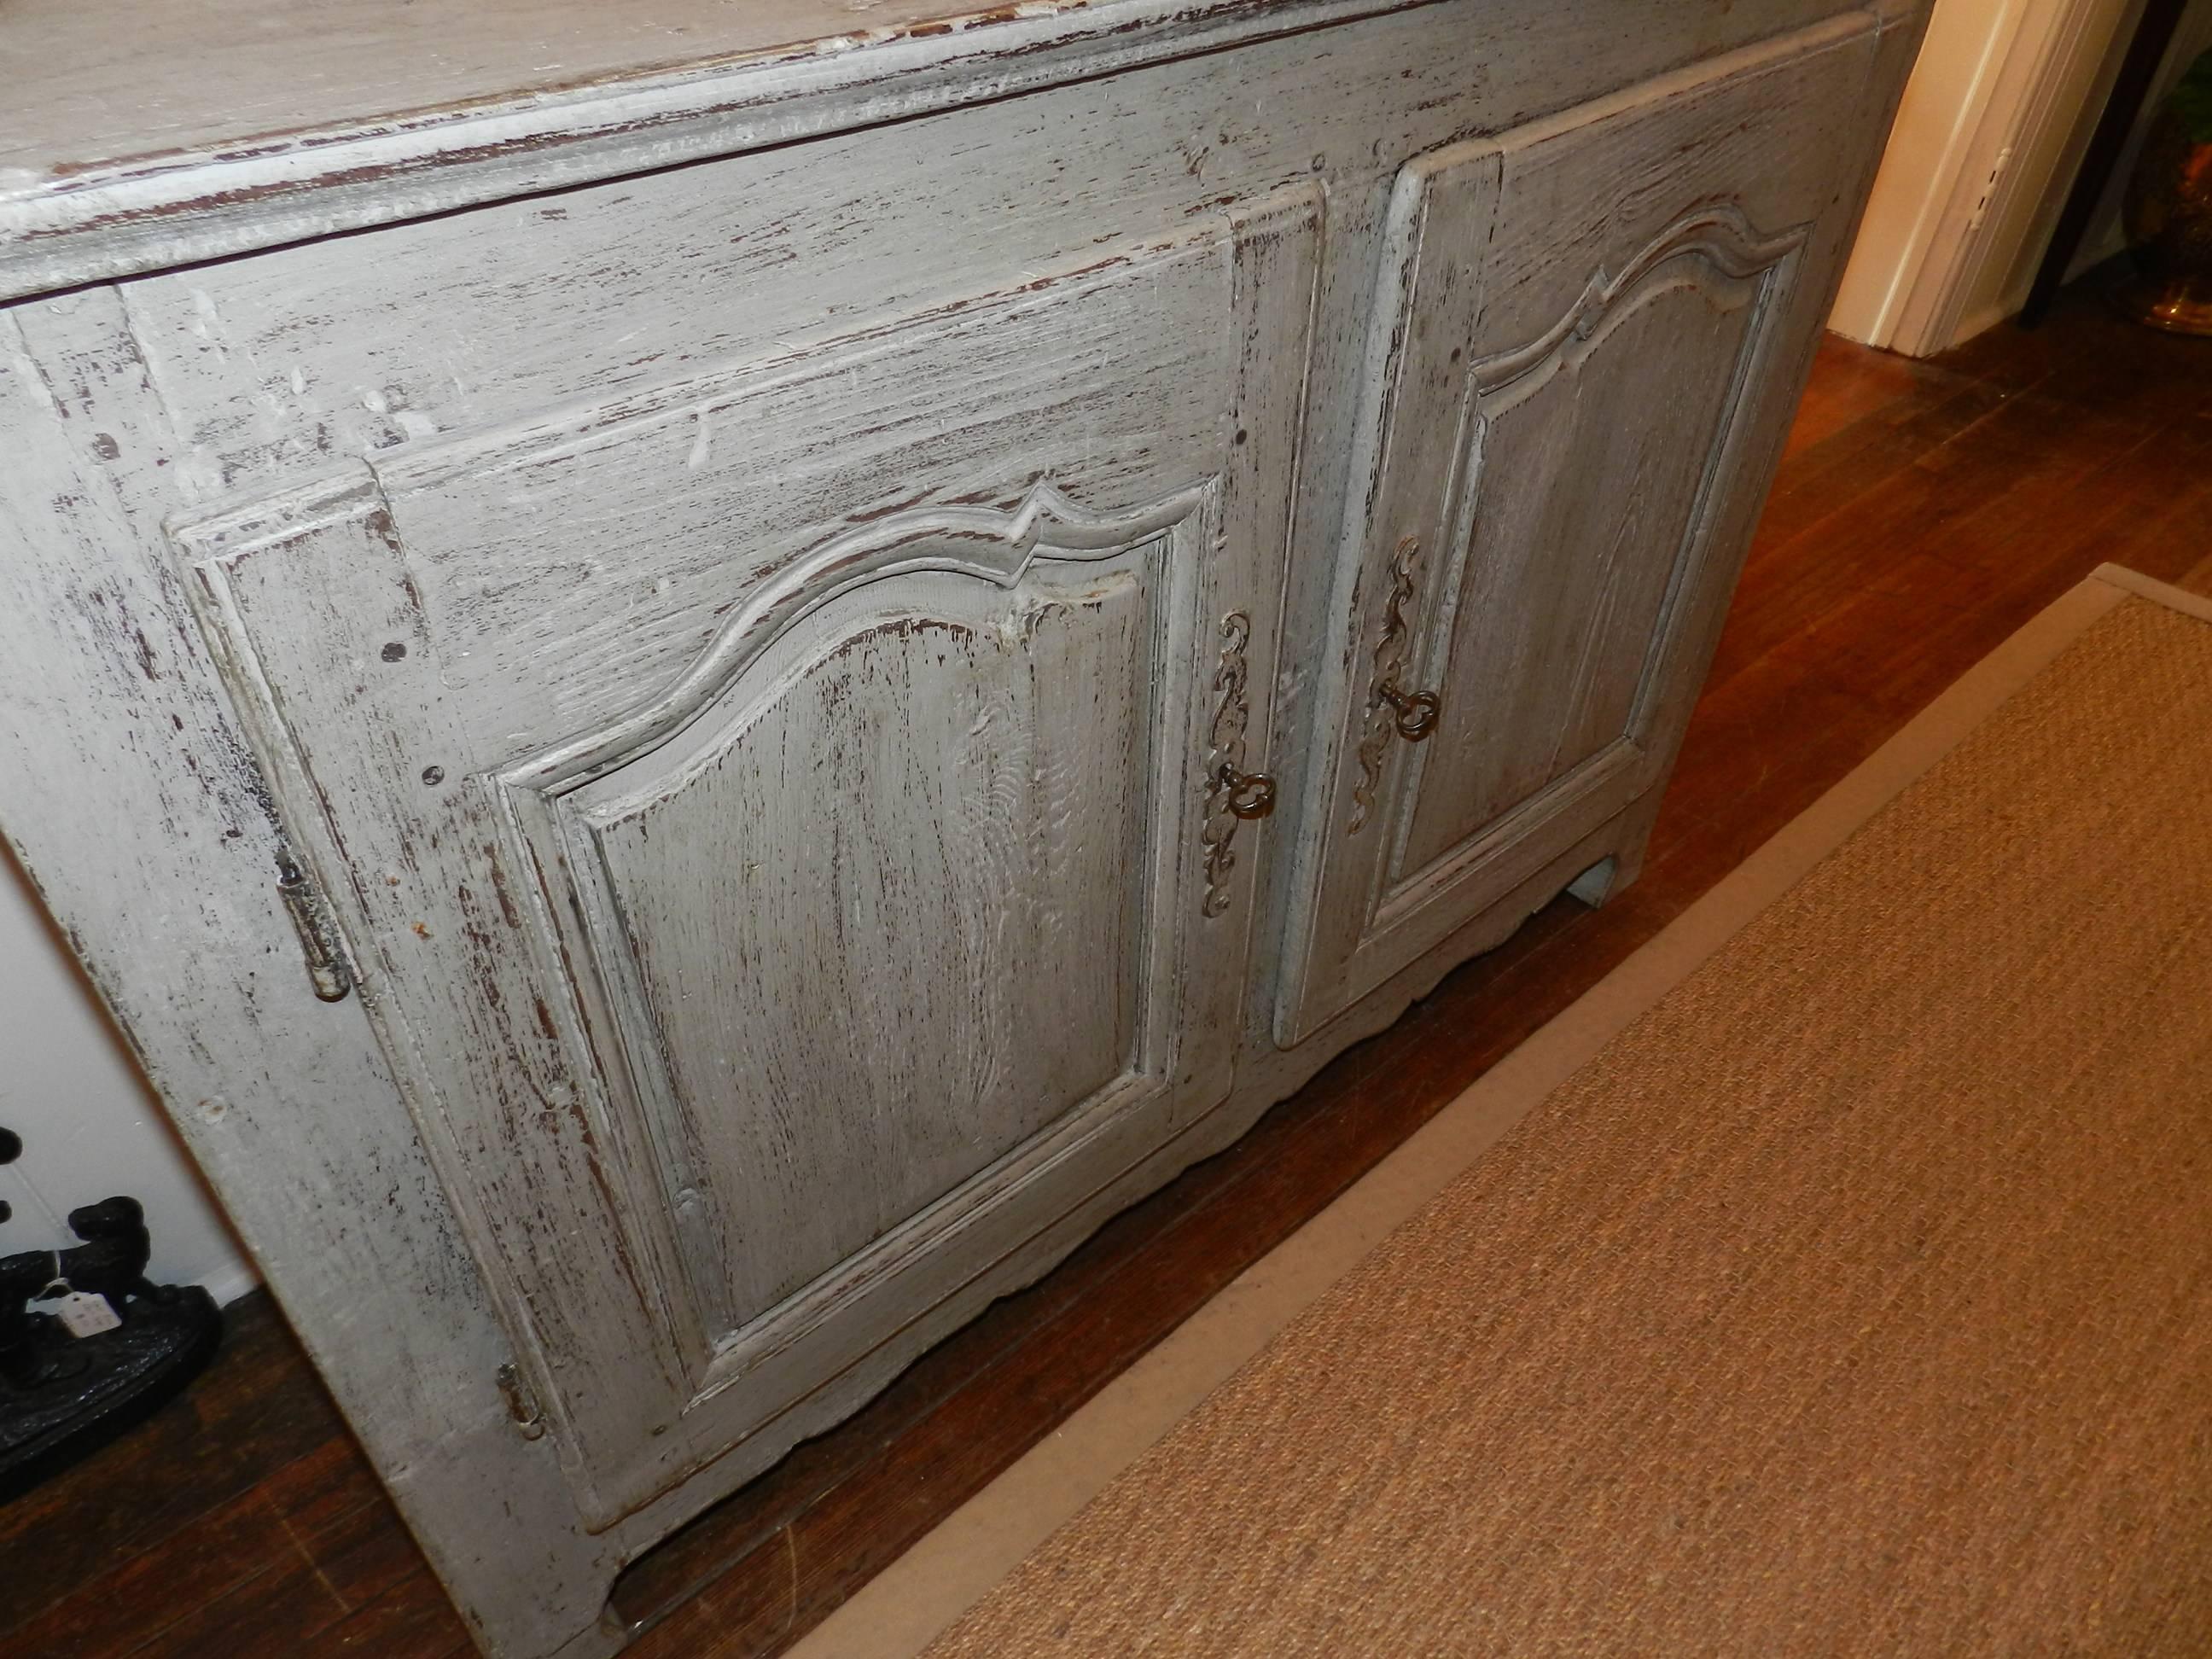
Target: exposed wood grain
271,125
1557,682
1583,358
1759,747
154,772
519,538
741,1173
245,72
567,560
457,327
951,890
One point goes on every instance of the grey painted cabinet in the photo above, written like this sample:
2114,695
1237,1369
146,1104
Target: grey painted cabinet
697,714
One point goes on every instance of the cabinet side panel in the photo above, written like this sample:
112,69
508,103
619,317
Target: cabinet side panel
133,801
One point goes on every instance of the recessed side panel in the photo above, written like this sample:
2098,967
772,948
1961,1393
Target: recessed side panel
871,920
1585,498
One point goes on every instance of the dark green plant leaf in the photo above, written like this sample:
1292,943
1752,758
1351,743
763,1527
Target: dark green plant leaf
2191,102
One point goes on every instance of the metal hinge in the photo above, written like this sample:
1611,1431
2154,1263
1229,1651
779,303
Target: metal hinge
521,1404
318,938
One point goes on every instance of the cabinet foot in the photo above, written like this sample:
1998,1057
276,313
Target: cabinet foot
1607,877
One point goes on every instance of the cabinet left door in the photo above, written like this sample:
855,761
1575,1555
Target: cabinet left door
785,824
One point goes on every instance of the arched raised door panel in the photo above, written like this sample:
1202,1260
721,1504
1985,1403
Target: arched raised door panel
1586,339
783,821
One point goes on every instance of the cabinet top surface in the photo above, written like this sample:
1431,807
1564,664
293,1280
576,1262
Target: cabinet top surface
94,86
192,114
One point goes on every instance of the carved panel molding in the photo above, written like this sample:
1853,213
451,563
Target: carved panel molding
994,546
1720,239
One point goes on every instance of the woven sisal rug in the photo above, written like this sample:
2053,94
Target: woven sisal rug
1847,1290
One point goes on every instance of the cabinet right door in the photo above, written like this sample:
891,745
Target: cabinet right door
1588,337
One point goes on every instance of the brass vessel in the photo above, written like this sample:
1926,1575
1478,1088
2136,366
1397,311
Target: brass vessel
2167,211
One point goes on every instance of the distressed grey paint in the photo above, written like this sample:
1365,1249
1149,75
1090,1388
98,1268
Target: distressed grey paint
1080,371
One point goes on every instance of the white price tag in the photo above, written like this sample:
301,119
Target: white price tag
83,1314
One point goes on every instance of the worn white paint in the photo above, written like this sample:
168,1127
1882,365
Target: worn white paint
661,1150
1583,343
260,125
490,565
91,1125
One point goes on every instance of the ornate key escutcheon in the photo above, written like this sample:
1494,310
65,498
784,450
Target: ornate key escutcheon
1413,716
1250,794
1417,714
1233,795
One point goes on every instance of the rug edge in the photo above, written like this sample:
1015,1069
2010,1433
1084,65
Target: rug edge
928,1587
2149,587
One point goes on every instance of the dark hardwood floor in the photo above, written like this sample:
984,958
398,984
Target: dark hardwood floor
1924,512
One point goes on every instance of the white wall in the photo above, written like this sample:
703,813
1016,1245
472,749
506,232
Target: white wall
89,1123
1944,101
1988,138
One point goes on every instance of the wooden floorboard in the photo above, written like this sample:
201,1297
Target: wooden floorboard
1924,511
